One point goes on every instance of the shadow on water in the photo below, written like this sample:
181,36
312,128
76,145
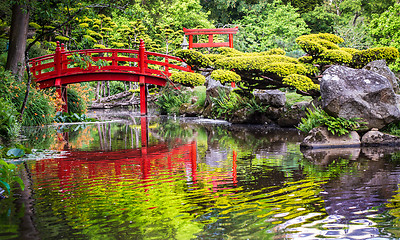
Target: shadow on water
172,178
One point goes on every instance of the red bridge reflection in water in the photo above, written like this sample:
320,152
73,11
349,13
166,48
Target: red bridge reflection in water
140,163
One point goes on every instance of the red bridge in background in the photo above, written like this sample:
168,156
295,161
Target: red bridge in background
57,70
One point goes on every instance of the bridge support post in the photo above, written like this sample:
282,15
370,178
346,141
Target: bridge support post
144,134
142,78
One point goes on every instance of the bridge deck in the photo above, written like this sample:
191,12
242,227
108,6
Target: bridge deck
60,69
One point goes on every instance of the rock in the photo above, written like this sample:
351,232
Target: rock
325,156
189,110
378,152
320,137
380,67
273,98
292,116
359,93
376,138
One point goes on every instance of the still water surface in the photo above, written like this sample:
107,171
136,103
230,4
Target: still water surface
152,178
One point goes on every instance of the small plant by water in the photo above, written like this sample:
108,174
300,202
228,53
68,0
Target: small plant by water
171,99
336,125
63,117
227,104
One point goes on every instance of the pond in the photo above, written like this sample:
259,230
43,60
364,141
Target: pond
177,178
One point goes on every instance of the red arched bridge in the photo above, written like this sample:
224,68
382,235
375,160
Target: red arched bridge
57,70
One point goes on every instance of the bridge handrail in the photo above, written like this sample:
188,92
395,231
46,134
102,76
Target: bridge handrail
57,64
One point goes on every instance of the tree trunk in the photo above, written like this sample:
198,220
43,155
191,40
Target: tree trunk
108,89
18,36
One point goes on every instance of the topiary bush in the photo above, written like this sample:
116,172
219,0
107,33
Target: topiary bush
225,76
193,58
300,82
188,79
362,58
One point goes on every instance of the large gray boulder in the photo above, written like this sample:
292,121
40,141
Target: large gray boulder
380,67
273,98
359,93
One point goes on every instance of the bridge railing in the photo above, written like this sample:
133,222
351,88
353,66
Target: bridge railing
139,61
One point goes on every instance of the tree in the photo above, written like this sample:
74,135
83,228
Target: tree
270,25
17,40
304,6
385,30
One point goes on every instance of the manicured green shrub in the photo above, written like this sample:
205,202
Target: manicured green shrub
283,69
315,44
252,63
300,82
336,56
225,76
362,58
193,58
188,78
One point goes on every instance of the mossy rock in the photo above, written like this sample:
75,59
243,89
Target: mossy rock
193,58
188,78
225,76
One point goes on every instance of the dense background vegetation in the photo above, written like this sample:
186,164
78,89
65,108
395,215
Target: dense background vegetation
263,25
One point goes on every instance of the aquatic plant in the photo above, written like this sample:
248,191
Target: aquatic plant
9,176
63,117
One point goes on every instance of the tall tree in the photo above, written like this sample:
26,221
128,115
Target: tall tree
18,36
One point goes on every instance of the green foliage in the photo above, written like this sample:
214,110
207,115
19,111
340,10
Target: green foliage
63,117
227,104
76,103
225,76
229,52
300,82
252,62
9,176
320,20
336,125
200,93
362,58
322,49
171,99
84,61
269,24
292,98
188,78
315,44
392,128
193,58
337,56
9,124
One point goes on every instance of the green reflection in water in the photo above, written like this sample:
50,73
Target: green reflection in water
246,184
